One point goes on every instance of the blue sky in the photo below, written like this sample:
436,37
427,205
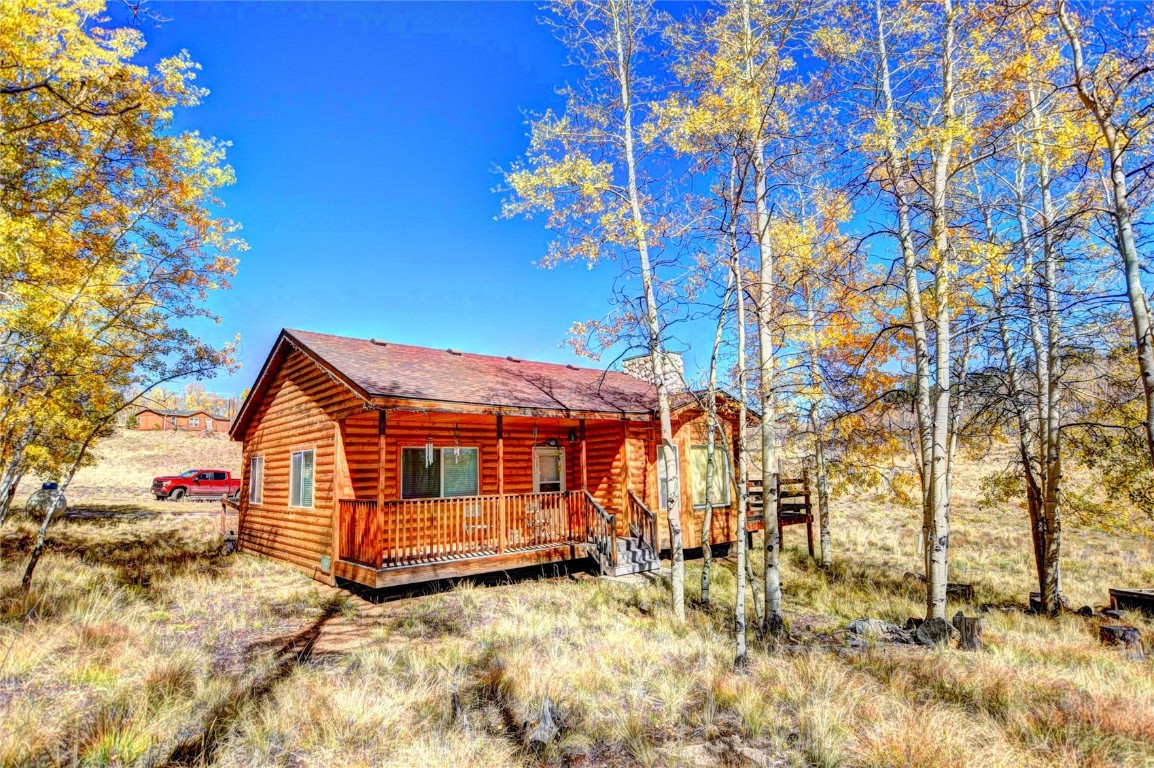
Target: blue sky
365,142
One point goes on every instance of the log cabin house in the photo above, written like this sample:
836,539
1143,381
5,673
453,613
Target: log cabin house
387,464
157,419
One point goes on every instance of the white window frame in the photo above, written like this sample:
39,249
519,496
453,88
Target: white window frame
252,475
539,450
719,446
294,480
194,422
441,473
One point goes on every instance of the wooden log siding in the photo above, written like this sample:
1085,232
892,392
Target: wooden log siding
689,431
297,413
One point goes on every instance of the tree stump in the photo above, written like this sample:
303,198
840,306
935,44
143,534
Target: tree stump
934,632
1120,634
969,632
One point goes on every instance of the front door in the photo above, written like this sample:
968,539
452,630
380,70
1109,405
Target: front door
548,469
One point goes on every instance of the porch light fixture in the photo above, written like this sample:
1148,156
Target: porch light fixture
572,435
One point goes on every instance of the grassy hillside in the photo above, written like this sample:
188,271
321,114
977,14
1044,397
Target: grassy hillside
141,644
127,462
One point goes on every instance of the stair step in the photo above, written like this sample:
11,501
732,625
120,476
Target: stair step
626,569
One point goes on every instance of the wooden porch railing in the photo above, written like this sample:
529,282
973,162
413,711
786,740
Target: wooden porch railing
642,522
360,534
602,528
412,531
418,530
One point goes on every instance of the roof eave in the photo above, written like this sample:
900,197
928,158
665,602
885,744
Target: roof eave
392,402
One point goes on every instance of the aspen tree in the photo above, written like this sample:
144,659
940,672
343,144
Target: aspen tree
109,240
583,171
1115,92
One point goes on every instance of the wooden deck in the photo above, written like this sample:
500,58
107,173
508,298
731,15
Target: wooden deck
460,566
409,540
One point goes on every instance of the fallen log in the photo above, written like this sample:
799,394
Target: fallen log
959,591
1129,638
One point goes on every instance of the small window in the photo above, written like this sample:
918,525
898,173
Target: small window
301,480
255,479
194,422
662,481
548,470
438,473
699,469
219,475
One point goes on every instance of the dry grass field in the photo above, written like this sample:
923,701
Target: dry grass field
127,462
142,644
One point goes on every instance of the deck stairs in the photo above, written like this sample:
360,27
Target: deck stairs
633,556
634,552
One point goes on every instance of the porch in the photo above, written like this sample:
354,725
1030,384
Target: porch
423,496
405,540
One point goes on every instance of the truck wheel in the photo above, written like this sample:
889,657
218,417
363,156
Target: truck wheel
177,494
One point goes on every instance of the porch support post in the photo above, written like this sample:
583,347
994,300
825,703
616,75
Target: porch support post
382,455
500,483
624,472
341,490
584,467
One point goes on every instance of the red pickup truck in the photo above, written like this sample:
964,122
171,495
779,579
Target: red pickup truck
196,484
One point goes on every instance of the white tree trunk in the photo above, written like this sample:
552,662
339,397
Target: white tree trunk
923,412
817,425
940,483
739,623
653,324
711,468
763,317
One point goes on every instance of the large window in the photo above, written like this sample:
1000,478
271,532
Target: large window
255,479
194,422
440,472
699,468
301,480
662,480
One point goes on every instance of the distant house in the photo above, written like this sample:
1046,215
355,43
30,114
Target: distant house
182,421
386,464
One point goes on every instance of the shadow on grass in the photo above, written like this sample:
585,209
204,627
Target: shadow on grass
570,569
251,691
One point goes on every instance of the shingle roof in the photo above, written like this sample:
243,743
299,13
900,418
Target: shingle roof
386,369
166,412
